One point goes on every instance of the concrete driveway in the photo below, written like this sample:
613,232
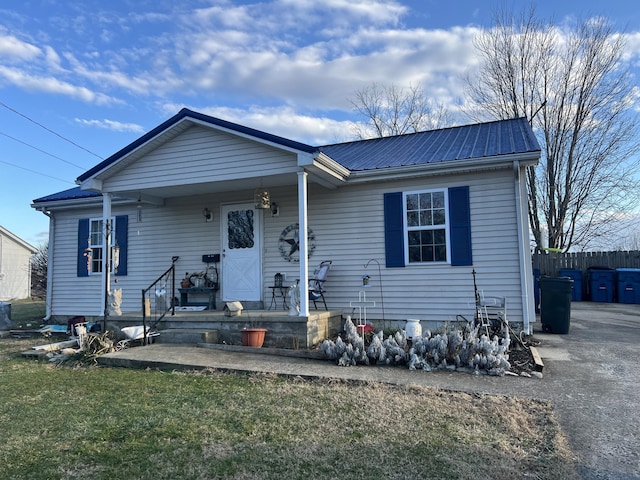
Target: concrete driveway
591,375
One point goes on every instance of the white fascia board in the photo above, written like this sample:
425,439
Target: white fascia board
324,163
323,170
331,165
91,184
444,168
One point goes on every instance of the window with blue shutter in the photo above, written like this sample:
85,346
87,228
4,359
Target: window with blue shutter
427,226
121,238
460,226
393,230
84,261
90,245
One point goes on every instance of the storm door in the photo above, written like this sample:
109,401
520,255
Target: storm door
241,247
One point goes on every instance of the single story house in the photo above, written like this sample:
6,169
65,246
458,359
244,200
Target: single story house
416,214
15,266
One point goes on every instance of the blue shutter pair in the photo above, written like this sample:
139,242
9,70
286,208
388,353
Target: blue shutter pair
459,228
122,238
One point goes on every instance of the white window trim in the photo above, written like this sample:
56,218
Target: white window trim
445,192
101,245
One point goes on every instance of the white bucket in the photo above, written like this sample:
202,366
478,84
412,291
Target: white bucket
413,328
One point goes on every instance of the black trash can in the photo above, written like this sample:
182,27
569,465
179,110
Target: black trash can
555,304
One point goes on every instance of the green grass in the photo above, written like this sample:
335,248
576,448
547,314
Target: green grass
27,313
105,423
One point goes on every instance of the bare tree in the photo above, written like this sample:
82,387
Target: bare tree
39,271
392,110
572,86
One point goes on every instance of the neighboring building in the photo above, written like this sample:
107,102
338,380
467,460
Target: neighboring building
15,266
420,211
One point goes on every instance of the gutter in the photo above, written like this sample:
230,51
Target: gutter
443,168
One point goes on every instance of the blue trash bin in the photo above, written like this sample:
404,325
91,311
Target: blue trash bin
576,276
628,285
601,284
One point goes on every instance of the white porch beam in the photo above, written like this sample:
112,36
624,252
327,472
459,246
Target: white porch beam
304,248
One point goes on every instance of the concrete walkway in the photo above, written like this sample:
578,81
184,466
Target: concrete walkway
591,375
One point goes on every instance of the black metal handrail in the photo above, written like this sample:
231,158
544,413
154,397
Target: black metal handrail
159,288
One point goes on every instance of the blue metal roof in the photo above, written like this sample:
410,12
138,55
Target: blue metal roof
456,143
71,194
502,137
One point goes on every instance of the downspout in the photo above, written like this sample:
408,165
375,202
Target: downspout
50,248
302,244
526,273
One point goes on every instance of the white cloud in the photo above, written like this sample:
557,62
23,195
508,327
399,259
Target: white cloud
16,49
53,85
282,121
111,125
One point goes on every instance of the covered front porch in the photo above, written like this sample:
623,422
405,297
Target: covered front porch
248,191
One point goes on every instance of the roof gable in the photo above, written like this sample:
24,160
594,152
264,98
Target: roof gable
22,243
186,114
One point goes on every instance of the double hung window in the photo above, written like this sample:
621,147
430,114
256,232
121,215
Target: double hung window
426,226
96,236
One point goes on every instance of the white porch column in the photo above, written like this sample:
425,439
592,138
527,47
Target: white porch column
302,232
107,228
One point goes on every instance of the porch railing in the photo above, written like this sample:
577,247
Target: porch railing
158,299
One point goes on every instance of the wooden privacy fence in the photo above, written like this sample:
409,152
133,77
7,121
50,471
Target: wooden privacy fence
549,263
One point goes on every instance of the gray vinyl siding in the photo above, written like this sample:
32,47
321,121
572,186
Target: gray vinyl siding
200,155
348,225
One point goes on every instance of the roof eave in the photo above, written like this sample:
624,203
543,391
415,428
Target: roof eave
445,168
69,204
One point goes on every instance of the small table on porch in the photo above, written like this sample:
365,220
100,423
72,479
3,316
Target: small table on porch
185,292
282,289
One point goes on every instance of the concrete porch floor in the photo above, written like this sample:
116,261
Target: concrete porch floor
213,326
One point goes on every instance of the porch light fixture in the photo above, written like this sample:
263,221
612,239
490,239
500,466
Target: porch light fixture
262,199
275,209
208,214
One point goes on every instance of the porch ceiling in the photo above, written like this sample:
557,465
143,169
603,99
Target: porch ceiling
157,194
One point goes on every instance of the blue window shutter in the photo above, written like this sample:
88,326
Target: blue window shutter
460,226
122,236
83,237
393,230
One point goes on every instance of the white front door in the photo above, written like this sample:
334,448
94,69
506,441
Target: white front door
241,247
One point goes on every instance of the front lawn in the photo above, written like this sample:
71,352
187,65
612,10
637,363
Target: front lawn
27,313
105,423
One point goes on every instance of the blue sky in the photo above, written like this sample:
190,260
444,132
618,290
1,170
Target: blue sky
100,74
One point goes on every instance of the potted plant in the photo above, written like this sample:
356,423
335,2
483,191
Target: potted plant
253,336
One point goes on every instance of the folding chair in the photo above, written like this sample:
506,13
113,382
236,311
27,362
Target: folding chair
316,283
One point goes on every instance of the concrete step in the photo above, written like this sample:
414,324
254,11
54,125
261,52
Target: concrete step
187,335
